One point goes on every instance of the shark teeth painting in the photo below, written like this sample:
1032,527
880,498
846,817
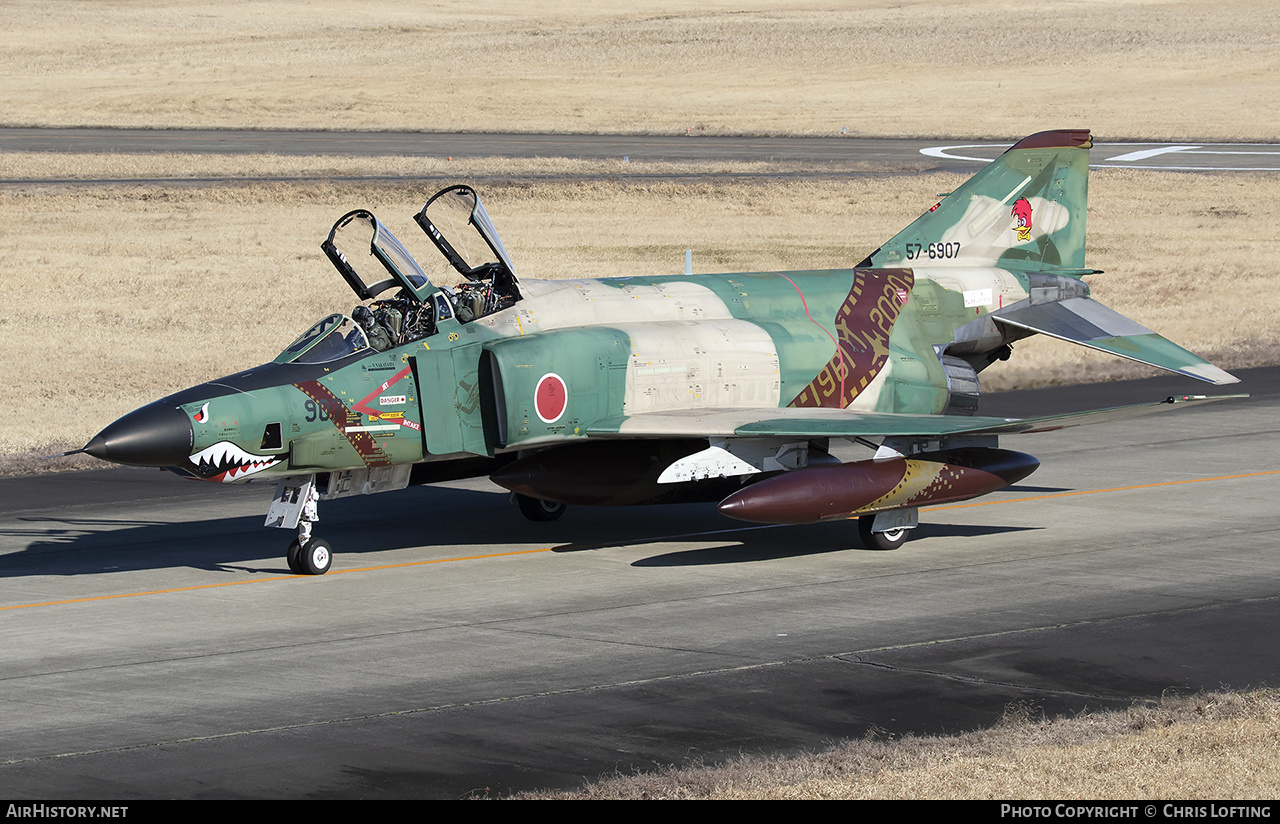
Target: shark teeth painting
226,462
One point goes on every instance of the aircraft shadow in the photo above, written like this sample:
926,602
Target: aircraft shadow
813,539
82,546
479,521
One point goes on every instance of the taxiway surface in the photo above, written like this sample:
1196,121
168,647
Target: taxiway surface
912,154
156,646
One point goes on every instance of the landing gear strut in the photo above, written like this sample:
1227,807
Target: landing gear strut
295,504
313,555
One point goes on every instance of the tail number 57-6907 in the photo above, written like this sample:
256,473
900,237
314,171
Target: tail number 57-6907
933,251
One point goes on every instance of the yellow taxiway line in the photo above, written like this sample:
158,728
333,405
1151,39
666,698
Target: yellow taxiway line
510,553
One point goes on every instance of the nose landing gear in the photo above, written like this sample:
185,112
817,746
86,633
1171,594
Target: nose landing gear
296,505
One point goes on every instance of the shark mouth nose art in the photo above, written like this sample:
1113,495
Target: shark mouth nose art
226,462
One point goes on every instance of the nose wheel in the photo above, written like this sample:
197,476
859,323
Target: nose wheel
312,558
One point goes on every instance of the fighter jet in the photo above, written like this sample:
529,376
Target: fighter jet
721,388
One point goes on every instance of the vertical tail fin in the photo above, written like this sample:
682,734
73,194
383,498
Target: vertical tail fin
1026,211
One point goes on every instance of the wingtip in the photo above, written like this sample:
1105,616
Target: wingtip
1209,373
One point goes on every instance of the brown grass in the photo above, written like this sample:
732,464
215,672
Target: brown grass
148,289
1126,68
1218,745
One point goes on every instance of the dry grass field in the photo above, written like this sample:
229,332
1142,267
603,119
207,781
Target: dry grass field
1162,69
1219,746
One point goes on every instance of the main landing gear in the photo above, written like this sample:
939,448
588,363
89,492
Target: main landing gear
887,530
889,539
536,509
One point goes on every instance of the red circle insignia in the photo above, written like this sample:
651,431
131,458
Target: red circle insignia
550,397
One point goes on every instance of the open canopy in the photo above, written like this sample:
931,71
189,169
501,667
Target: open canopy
456,221
373,261
385,266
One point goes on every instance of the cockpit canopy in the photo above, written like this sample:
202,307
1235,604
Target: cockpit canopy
457,223
401,269
332,338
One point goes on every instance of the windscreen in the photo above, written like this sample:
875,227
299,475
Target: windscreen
333,337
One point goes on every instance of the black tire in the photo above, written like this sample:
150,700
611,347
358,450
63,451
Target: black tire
892,539
316,557
536,509
294,558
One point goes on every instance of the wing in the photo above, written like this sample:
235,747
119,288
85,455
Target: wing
843,423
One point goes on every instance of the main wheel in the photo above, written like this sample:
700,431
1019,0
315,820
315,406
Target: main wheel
536,509
316,557
889,539
294,557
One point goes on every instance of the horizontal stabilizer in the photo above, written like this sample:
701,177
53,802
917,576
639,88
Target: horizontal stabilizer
793,422
1089,323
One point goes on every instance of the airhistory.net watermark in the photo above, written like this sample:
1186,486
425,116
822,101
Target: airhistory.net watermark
64,811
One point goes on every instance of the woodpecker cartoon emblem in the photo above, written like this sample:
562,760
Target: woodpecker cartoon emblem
1022,218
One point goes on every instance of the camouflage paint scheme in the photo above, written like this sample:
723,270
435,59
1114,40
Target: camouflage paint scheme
724,375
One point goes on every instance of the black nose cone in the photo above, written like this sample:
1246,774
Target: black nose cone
155,435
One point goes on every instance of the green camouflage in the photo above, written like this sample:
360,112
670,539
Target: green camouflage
758,368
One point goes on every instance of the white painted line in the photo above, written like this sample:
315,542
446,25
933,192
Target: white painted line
1191,168
1146,153
941,151
946,153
